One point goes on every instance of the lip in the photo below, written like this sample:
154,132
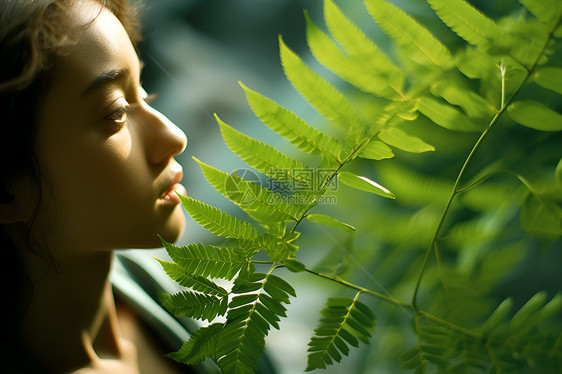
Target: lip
169,195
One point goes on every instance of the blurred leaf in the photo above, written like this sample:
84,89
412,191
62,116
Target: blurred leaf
535,115
445,115
364,184
329,221
549,78
376,150
543,215
397,138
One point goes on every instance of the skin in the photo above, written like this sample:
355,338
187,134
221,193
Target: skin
107,172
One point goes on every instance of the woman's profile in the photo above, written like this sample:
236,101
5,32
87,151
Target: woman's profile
87,166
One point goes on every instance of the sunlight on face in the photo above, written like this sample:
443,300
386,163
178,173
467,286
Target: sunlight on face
108,156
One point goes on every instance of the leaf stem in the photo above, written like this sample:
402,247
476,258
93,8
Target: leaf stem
396,302
343,282
455,190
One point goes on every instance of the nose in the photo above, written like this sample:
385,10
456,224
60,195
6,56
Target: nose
163,138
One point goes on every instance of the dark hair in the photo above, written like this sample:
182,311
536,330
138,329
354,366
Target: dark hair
32,35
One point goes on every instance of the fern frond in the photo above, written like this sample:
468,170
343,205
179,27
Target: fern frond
195,282
354,41
408,33
345,322
278,248
324,97
291,127
200,346
362,64
260,203
259,155
479,30
217,221
206,260
194,305
249,319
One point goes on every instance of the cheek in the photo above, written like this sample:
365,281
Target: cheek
102,185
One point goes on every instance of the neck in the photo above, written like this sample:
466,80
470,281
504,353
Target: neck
70,321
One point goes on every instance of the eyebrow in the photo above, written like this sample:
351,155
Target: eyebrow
105,79
110,77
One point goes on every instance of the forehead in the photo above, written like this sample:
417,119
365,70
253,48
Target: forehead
101,46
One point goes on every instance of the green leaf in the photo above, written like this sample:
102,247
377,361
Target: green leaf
291,127
526,311
547,11
445,115
194,305
549,78
326,99
408,33
362,64
294,265
217,221
206,260
329,221
201,345
195,282
535,115
397,138
542,213
498,316
354,41
259,155
479,30
344,321
363,184
352,68
260,203
376,150
250,316
474,105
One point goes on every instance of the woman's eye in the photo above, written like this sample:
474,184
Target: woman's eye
119,116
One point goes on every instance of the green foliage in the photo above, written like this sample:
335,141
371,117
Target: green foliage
345,322
465,132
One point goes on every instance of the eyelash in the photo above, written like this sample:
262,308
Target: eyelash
119,116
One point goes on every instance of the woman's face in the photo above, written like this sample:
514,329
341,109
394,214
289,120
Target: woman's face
107,155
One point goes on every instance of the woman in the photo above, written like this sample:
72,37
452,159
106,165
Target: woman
87,167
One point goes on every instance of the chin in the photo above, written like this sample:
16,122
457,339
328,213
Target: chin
173,228
170,230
